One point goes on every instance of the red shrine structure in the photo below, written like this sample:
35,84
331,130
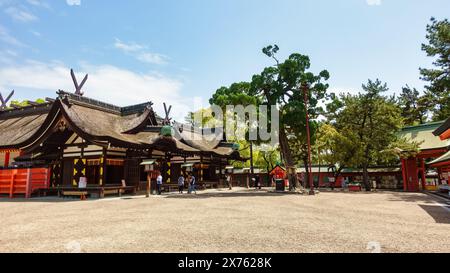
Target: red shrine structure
432,147
442,163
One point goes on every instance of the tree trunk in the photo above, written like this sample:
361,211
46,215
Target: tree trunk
290,164
318,175
366,181
306,181
338,173
366,178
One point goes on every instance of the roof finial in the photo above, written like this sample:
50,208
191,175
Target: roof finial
78,87
3,102
167,119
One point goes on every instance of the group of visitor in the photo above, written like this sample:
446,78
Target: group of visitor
190,179
191,183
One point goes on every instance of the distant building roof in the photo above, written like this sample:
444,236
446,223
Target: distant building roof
97,122
442,159
443,128
423,134
324,169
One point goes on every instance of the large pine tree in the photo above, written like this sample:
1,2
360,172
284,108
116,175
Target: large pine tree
438,78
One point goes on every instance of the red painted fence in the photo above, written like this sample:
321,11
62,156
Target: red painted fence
23,181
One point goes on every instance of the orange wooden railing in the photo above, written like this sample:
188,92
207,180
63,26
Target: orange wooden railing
23,181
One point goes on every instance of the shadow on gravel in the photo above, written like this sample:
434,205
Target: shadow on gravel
224,194
42,200
439,214
413,197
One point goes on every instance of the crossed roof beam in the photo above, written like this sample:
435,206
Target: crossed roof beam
4,101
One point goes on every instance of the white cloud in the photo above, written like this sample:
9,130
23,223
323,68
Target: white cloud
39,3
73,2
36,33
373,2
106,83
140,52
8,38
20,14
7,57
128,48
152,58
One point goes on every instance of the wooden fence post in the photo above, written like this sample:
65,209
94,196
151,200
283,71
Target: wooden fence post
49,174
28,188
11,183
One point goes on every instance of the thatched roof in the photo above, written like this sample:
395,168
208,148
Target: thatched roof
129,127
102,126
17,125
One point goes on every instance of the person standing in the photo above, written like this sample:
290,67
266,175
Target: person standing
159,181
257,183
192,184
345,183
332,181
181,184
189,177
230,186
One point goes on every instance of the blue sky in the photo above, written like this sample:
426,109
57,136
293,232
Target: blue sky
174,51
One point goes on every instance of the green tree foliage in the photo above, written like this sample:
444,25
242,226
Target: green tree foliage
370,121
237,94
438,78
337,149
267,157
281,85
201,118
25,103
414,107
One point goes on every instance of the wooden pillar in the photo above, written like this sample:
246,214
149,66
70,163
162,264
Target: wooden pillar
103,167
149,181
412,174
7,158
28,187
404,174
11,183
57,172
422,165
165,168
48,178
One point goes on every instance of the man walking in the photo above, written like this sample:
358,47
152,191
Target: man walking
192,184
229,183
159,181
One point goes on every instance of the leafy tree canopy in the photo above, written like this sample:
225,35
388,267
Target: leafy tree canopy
438,78
414,107
371,122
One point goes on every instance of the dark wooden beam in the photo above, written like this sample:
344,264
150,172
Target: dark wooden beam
78,86
4,101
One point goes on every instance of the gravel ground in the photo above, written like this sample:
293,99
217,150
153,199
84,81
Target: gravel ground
229,221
